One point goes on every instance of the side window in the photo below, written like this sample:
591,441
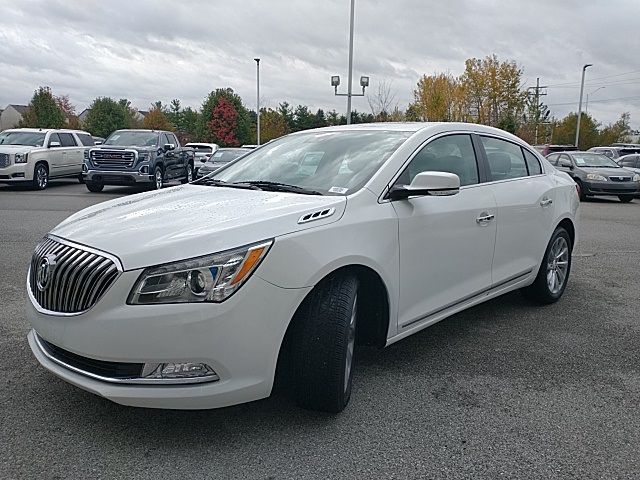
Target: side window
533,165
54,138
67,140
505,159
86,139
553,159
453,154
608,153
174,140
166,139
565,161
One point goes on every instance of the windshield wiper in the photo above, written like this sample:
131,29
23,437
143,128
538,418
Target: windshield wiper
214,182
281,187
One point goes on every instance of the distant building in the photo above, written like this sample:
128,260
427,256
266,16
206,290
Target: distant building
11,116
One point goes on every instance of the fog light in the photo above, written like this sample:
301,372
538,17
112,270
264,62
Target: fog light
182,370
84,168
18,175
144,169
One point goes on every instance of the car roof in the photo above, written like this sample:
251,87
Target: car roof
202,143
45,130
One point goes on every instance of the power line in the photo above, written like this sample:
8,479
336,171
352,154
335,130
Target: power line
596,78
596,101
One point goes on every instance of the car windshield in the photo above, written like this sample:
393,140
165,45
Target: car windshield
33,139
225,156
133,139
329,162
594,160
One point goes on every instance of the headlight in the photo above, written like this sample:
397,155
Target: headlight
596,176
86,154
21,157
636,178
143,156
212,278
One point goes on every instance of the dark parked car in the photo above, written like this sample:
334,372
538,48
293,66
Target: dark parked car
134,157
597,174
547,149
220,158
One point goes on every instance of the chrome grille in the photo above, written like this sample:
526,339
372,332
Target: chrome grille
619,179
113,158
75,278
4,160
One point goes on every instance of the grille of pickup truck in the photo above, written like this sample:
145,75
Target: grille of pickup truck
4,160
113,158
69,279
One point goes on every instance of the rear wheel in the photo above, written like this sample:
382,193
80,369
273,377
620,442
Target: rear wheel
189,177
625,198
94,187
40,176
553,274
323,345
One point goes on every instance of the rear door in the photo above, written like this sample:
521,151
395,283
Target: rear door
446,243
72,154
524,198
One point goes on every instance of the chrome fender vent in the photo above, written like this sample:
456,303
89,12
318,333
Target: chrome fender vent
310,217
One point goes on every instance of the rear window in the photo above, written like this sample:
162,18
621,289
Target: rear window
201,148
67,140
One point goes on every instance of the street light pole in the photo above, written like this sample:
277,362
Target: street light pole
350,63
584,69
258,97
586,104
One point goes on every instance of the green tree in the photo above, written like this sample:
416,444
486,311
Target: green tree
287,113
131,115
156,119
272,125
616,132
564,132
105,116
43,111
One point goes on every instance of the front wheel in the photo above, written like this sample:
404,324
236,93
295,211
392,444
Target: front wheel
40,177
158,178
625,198
94,187
189,177
553,274
581,192
323,345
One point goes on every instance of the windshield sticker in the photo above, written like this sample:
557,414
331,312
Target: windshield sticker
580,161
338,190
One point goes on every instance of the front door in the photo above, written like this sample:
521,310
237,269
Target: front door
55,156
446,243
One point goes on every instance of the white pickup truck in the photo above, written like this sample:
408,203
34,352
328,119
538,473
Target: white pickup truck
36,155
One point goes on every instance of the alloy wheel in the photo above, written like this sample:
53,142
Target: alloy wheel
159,180
557,265
42,177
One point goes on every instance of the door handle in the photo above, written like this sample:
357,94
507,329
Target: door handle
545,202
484,218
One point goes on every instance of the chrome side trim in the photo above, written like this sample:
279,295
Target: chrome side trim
473,296
123,381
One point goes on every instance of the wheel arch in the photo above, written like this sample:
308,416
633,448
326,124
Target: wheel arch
569,226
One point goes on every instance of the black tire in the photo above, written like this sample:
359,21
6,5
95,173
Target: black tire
540,290
158,178
40,176
80,178
625,198
94,187
581,192
189,178
323,342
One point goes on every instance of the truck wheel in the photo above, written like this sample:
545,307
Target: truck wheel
40,176
158,178
323,345
189,177
80,178
554,271
94,187
625,198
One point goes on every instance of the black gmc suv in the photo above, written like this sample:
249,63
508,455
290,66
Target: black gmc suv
134,157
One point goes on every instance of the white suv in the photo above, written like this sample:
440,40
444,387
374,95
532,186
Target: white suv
290,257
36,155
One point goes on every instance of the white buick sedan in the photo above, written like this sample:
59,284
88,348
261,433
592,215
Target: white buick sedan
292,256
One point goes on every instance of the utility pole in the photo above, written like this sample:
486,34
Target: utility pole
584,69
537,96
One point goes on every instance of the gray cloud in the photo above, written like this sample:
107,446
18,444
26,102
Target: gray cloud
158,50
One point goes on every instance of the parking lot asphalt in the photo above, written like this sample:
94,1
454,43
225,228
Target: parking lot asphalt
505,389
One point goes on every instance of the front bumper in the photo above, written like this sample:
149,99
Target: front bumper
611,188
17,172
113,177
239,338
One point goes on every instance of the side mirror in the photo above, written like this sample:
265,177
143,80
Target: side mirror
566,164
54,144
427,183
169,146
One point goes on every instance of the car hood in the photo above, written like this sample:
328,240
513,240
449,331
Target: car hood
120,147
191,220
13,149
616,172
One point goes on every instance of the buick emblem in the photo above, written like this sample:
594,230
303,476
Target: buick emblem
45,271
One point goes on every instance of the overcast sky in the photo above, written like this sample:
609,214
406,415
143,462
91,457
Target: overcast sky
148,50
